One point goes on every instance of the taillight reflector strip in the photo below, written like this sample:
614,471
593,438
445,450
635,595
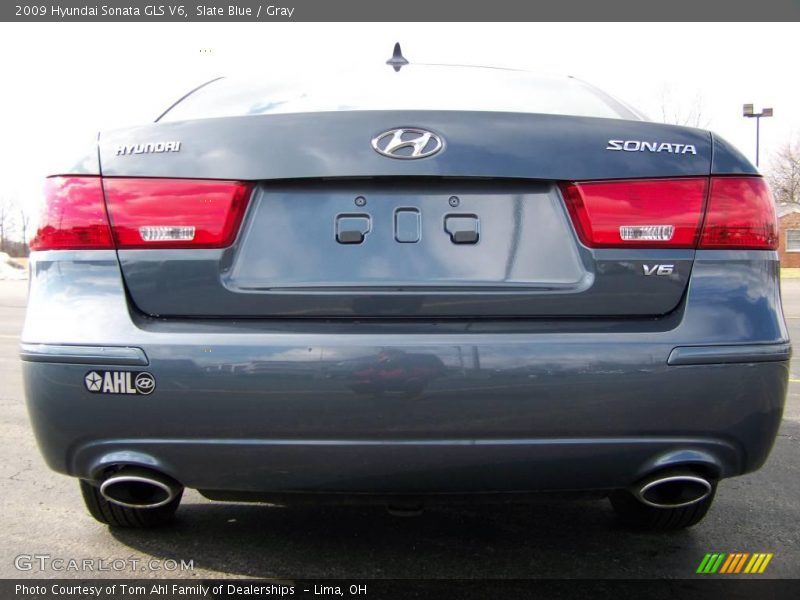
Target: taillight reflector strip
175,213
166,233
202,213
646,233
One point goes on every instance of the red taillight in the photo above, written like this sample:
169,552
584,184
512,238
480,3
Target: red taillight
74,216
668,213
740,214
145,213
635,213
175,213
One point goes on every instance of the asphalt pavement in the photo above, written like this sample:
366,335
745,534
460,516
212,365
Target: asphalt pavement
43,515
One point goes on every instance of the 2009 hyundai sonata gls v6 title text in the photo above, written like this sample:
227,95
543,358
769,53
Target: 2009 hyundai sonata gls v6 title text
403,285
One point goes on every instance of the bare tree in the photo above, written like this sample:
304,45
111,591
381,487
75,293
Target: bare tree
14,224
23,221
5,223
682,111
784,172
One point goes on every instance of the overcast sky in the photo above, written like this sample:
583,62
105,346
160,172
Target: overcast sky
62,82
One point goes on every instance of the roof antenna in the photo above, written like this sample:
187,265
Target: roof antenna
398,61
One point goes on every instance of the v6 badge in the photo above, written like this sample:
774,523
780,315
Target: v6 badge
120,382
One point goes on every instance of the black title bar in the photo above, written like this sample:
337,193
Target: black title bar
404,10
407,589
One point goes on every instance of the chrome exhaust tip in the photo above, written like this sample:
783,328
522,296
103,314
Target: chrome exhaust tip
134,487
673,490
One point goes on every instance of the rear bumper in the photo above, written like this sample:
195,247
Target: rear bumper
408,408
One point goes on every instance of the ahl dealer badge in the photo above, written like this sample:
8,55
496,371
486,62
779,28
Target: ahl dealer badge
139,383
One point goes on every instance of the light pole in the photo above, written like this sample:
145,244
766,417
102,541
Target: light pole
748,112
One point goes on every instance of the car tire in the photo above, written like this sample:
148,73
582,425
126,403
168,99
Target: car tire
115,515
638,515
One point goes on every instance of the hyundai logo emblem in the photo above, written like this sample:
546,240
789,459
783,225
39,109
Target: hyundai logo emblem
145,383
407,143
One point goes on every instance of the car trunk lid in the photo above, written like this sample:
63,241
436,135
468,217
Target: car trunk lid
335,229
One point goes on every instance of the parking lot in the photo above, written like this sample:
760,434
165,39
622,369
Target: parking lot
43,514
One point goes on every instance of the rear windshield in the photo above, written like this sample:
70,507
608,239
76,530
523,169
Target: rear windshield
414,87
